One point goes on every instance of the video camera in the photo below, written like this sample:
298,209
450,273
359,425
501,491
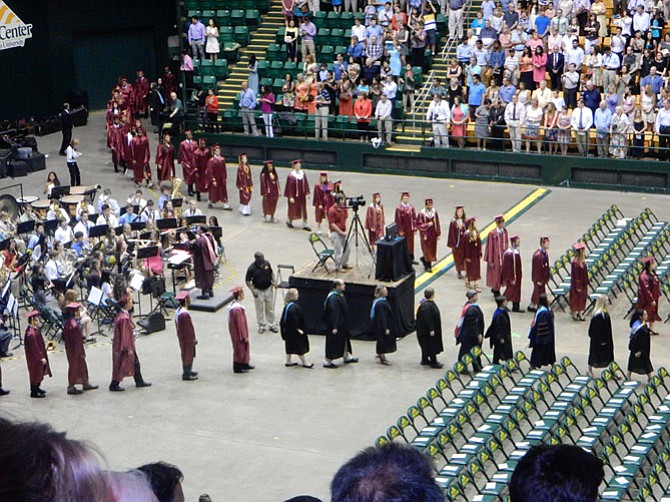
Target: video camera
355,202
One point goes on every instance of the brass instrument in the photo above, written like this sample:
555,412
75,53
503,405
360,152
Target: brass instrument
176,185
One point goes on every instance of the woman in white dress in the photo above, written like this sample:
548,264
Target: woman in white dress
534,115
619,129
212,37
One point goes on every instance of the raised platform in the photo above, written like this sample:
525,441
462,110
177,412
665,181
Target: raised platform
214,304
314,287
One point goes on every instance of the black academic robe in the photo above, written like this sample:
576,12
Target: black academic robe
428,319
292,320
601,347
473,326
542,339
640,341
336,317
500,336
382,321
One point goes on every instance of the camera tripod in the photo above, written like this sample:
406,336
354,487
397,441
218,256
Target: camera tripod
357,234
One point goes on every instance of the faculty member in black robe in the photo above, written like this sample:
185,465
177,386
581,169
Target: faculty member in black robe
542,336
500,332
429,330
381,316
335,314
639,360
292,325
471,332
601,348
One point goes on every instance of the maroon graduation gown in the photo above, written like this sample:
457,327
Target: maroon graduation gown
428,234
216,173
473,257
116,136
77,372
539,272
165,162
203,266
185,335
139,158
141,93
456,241
648,293
297,190
239,332
496,244
186,150
579,286
405,219
270,191
35,351
511,275
200,160
375,222
244,184
123,348
322,200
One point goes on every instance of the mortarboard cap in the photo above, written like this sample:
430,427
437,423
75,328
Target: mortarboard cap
32,313
182,295
73,305
499,218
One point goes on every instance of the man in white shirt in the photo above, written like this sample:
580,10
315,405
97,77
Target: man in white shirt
107,217
439,116
581,122
137,200
83,225
390,88
106,198
384,120
191,210
611,63
359,30
662,128
515,117
56,212
575,56
641,20
63,233
51,270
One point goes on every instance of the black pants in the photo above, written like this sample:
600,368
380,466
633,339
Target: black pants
664,143
364,128
75,176
570,97
67,137
466,346
138,371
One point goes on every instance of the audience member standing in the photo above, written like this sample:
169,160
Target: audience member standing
601,346
439,116
239,331
212,47
307,34
71,156
248,103
338,344
66,126
196,38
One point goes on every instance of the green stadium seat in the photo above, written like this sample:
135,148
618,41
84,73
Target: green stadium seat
226,34
359,15
337,37
266,81
291,67
333,20
279,37
209,81
341,49
326,54
347,36
207,15
346,20
237,17
418,76
222,18
262,68
277,84
190,5
442,23
272,52
192,13
242,35
206,68
319,19
197,80
221,69
323,37
231,51
252,17
276,69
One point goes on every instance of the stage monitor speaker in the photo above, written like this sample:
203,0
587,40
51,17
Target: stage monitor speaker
153,323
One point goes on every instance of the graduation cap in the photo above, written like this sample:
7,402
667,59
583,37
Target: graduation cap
578,246
187,131
543,239
123,300
216,146
236,290
459,207
404,194
471,293
514,238
323,173
376,194
296,161
181,296
499,218
470,220
239,158
428,201
268,162
648,259
73,305
32,313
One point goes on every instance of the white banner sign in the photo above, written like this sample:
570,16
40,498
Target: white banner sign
13,31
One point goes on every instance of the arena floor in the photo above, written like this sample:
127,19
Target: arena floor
279,432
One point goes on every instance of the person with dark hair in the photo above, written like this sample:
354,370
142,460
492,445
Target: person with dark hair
260,280
649,292
429,330
579,282
512,273
270,190
539,272
73,338
66,125
542,336
36,355
335,314
125,362
559,473
39,463
381,316
293,330
639,345
186,336
205,260
239,331
470,329
388,473
165,480
500,332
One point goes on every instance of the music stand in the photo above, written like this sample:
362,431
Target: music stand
166,223
136,210
25,227
60,191
138,225
187,231
178,202
4,244
50,226
145,236
147,252
98,230
118,230
193,220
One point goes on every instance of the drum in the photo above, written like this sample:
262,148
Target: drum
41,207
78,190
69,202
25,200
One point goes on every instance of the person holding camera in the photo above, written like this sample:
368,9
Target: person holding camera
337,224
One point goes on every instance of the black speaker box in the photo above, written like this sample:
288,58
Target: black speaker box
37,162
153,322
18,168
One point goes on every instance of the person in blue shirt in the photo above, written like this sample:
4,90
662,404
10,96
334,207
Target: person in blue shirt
602,120
165,196
476,94
464,52
542,23
339,66
355,50
78,244
507,90
591,97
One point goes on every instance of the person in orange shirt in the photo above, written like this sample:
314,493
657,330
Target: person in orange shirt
212,109
363,112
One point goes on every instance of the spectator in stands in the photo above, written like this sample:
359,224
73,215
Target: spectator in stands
515,117
267,101
439,117
582,120
307,33
291,40
559,473
459,121
196,38
165,480
355,50
383,113
619,129
482,124
392,472
408,84
476,94
248,103
322,101
212,47
418,44
662,128
456,19
212,109
534,116
602,120
464,51
570,81
653,79
591,96
374,50
436,87
363,111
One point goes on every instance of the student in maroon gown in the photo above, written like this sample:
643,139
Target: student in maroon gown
141,93
140,156
186,150
239,331
116,135
297,191
270,190
496,244
165,159
428,224
405,219
73,338
512,273
322,199
36,355
205,260
456,239
217,177
200,160
579,283
649,292
473,255
375,222
245,184
125,362
186,336
539,272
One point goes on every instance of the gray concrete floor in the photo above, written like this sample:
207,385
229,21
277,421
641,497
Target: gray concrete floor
279,432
